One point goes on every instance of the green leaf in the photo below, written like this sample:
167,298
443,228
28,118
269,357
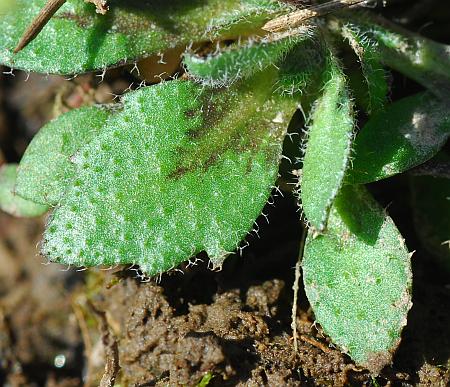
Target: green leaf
358,279
7,5
370,57
45,168
10,202
421,59
328,147
206,380
78,40
247,17
301,70
241,60
183,168
431,209
410,132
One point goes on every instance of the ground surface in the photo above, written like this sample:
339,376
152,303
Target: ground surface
59,328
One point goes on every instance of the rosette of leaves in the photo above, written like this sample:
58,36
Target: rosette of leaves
187,165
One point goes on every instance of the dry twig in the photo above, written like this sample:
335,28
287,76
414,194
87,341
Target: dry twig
46,13
39,22
111,347
297,18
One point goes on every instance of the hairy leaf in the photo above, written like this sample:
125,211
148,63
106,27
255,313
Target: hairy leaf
431,206
410,132
10,202
45,168
183,168
247,17
328,147
241,60
302,68
358,279
421,59
370,57
77,39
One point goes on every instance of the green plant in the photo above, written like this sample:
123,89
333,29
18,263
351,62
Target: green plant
187,165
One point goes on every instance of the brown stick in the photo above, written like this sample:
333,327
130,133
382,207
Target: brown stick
112,366
296,18
39,23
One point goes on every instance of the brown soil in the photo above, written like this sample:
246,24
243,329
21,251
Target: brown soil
234,325
60,328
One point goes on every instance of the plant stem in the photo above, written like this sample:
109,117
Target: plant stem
295,288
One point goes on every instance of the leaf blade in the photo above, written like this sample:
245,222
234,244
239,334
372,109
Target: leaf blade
374,73
12,203
410,132
158,196
358,279
77,40
45,168
241,60
328,148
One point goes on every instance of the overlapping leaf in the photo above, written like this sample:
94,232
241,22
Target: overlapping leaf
358,279
421,59
10,202
328,147
182,168
77,40
45,169
371,62
410,131
241,60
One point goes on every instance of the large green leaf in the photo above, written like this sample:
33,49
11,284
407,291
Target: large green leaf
328,147
10,202
45,169
410,132
182,168
77,39
358,279
431,209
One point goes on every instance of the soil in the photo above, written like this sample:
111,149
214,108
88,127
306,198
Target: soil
193,326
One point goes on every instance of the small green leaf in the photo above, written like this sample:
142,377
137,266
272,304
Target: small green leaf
10,202
328,147
206,380
77,40
370,57
421,59
240,60
46,169
301,69
183,168
410,132
431,209
358,279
